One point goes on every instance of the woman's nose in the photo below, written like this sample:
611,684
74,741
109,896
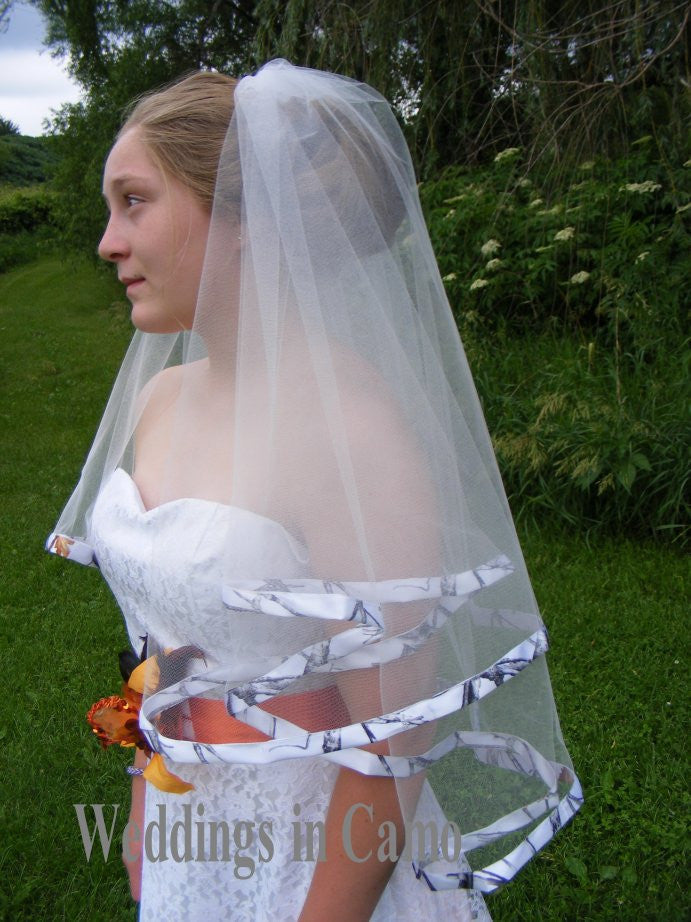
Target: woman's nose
113,245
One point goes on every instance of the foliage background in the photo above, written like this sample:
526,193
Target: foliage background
562,81
588,275
555,133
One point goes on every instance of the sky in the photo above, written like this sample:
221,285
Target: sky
31,81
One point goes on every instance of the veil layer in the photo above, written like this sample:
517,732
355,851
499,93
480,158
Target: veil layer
322,405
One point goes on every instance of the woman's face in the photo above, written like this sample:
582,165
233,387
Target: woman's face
156,235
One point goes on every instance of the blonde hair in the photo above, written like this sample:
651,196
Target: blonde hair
184,126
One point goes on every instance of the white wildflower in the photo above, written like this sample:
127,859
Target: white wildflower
641,187
579,278
550,246
687,163
456,198
451,277
682,208
490,247
524,183
642,256
554,210
565,233
587,165
506,154
479,283
536,202
493,264
450,213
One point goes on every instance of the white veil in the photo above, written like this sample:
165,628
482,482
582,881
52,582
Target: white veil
324,390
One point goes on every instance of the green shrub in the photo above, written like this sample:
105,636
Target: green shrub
579,439
24,247
26,209
27,225
25,160
603,246
569,295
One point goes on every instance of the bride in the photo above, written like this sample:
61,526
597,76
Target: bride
294,499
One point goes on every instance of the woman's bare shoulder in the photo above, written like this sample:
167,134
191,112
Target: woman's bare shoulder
370,408
158,393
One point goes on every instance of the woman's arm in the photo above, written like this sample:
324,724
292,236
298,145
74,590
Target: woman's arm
401,528
347,886
132,847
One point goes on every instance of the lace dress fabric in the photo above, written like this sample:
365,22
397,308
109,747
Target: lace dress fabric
259,872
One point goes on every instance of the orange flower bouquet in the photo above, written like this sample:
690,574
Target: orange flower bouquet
115,720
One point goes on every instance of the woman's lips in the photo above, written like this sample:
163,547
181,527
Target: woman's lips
131,284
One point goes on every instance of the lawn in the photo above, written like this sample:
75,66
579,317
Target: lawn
615,609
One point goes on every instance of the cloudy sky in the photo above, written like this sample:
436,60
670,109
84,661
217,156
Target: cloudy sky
31,81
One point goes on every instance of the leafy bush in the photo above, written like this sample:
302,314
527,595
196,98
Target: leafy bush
83,135
27,225
578,439
569,294
8,127
26,209
520,249
25,247
25,160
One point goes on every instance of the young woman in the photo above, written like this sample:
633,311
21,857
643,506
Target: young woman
294,499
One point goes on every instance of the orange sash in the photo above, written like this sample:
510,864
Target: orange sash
312,710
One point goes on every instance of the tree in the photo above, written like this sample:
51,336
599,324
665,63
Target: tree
5,7
560,80
8,128
566,79
467,78
143,41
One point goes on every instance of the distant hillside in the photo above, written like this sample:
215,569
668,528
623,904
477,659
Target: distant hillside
25,160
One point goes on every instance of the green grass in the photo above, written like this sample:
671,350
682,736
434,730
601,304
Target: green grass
615,610
61,340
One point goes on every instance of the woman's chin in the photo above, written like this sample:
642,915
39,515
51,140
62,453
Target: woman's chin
149,321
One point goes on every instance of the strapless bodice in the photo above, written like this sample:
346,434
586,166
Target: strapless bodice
166,567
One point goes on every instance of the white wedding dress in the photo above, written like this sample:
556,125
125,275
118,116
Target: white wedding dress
258,877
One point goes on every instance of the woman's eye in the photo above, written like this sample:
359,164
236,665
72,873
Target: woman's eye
133,200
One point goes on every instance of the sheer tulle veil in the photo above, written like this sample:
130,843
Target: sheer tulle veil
324,387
